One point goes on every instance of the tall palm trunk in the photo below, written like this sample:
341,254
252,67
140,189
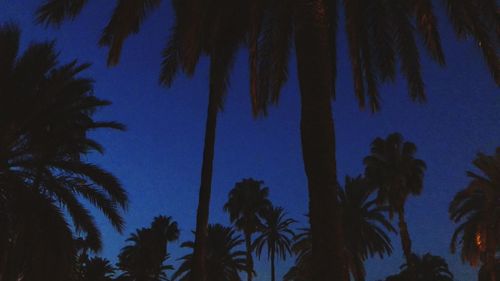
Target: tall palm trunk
273,269
405,237
490,255
248,242
200,248
318,138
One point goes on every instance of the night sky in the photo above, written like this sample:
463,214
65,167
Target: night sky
158,159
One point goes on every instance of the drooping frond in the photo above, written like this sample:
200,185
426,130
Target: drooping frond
126,20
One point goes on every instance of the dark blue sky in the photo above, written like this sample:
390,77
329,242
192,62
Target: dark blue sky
158,159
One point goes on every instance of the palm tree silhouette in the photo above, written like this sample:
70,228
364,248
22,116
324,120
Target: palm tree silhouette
216,30
364,224
302,248
426,268
275,235
98,269
144,258
476,209
47,114
380,33
365,228
224,260
396,174
247,203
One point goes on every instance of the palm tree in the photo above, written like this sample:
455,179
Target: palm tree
224,260
364,224
302,248
396,174
379,33
365,228
46,115
144,259
426,268
275,235
247,203
477,211
98,269
216,30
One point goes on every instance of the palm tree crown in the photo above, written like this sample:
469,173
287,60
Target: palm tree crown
396,174
426,268
144,259
476,209
224,260
365,225
46,115
275,235
247,203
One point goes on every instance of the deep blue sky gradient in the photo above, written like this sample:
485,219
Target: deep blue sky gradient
158,159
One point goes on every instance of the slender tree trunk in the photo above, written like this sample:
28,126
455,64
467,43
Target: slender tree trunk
199,270
248,241
273,269
318,138
405,238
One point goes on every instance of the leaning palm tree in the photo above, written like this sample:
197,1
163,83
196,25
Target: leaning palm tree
396,174
365,226
224,260
275,236
247,203
380,33
477,211
144,258
47,112
426,268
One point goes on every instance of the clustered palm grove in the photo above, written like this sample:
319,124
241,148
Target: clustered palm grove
47,115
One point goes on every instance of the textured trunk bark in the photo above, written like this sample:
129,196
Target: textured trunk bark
248,241
199,270
318,138
273,269
405,239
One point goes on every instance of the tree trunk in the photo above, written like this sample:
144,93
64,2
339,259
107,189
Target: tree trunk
405,238
318,138
490,254
248,241
273,268
199,268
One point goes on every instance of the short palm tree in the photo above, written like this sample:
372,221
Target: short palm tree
365,226
144,258
426,268
302,248
396,174
247,203
46,115
98,269
224,260
476,209
275,236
